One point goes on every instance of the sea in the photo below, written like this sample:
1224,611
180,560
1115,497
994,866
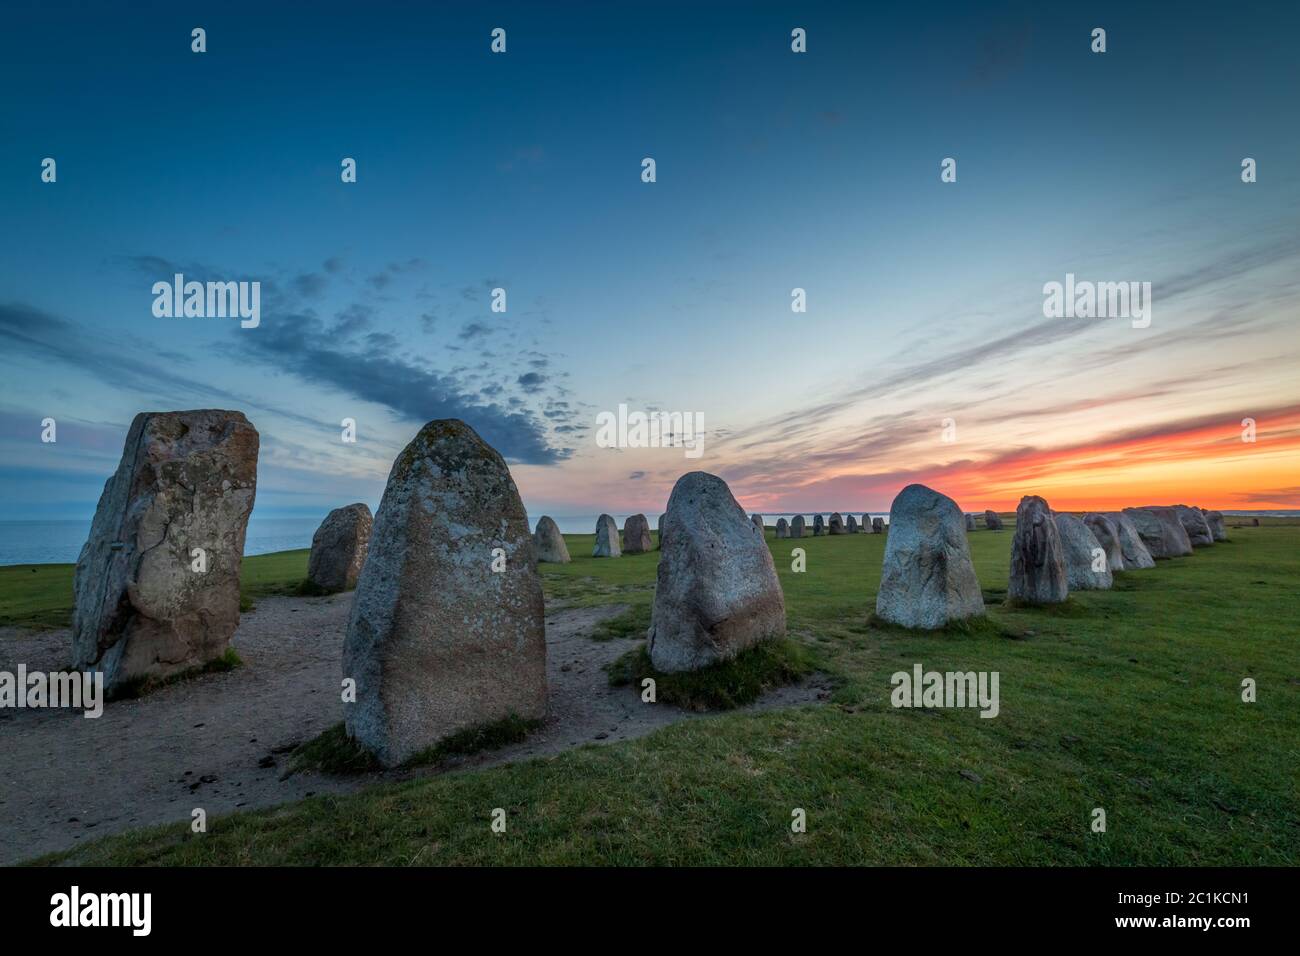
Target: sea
59,542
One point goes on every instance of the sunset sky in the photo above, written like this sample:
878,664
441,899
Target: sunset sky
775,170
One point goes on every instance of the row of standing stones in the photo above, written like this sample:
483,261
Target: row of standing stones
443,636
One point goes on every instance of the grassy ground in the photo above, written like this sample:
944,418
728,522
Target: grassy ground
1128,700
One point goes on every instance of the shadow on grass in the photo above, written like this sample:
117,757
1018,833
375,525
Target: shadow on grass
732,683
334,752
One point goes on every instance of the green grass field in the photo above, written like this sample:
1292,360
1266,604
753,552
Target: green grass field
1128,700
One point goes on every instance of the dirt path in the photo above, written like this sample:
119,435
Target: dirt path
221,742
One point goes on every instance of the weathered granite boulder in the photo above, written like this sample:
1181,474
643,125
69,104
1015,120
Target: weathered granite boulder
1087,565
796,526
836,524
992,521
338,548
717,592
878,525
819,525
636,535
1107,535
607,540
782,528
757,522
1194,523
447,629
970,522
1215,520
1161,531
548,543
851,525
1038,573
927,578
1136,555
156,587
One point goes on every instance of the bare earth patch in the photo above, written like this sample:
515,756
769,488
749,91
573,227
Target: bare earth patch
222,741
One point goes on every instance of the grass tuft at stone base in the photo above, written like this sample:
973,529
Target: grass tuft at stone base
733,683
133,689
334,752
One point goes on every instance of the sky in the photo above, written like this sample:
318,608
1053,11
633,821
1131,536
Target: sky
924,353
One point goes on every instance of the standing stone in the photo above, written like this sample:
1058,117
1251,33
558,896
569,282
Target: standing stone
851,525
1136,555
819,526
636,535
782,528
796,526
1215,520
757,522
338,548
441,640
717,593
970,522
927,578
1254,522
1083,554
1038,573
878,524
607,545
1161,531
836,524
1194,523
865,524
1107,535
992,521
548,543
141,609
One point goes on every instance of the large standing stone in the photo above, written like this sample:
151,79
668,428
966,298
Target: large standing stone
757,522
1161,531
636,535
1194,523
836,524
992,521
850,525
717,592
607,544
1038,573
1083,553
782,528
970,522
878,525
338,548
1107,535
819,525
927,578
1136,555
142,609
1215,520
441,639
796,526
548,543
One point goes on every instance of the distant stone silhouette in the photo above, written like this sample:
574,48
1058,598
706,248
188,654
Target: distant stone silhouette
607,539
1083,552
836,524
992,521
636,535
1136,555
796,526
878,525
338,549
1194,523
548,543
819,525
782,528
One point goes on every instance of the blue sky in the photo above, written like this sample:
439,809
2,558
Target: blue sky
522,170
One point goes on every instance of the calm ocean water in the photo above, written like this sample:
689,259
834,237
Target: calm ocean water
59,542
